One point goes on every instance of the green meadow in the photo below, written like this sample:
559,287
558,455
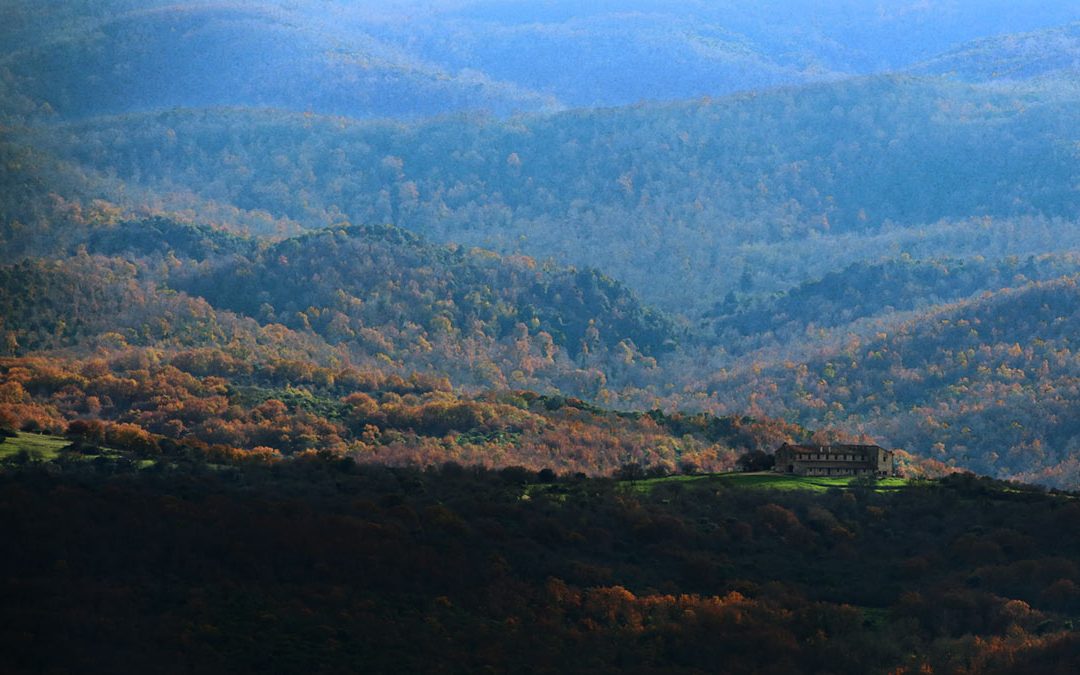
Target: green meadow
38,446
772,481
45,448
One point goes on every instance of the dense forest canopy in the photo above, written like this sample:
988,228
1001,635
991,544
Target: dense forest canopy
681,201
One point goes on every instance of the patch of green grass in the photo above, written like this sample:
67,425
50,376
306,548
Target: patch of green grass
45,448
38,446
771,481
646,484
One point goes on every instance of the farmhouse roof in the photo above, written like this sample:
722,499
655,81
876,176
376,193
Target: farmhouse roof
832,449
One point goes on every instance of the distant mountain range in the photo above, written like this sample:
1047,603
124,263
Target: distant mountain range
684,202
241,55
410,59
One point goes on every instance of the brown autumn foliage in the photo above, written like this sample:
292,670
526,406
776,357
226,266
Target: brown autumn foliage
149,400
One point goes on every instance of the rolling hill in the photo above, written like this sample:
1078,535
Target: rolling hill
872,292
967,362
407,59
382,296
236,54
988,383
1050,54
679,201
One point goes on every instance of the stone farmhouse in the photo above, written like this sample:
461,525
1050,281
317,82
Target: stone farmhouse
834,460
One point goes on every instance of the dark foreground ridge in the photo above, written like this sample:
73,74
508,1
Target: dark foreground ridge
324,565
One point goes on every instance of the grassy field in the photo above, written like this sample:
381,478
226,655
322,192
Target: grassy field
770,481
46,448
39,446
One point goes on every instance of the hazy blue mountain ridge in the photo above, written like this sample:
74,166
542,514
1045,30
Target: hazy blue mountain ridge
253,54
1047,54
408,59
677,200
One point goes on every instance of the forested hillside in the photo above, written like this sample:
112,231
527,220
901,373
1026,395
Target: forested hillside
136,57
985,382
682,202
387,298
241,403
104,350
382,296
1051,55
989,383
617,53
869,292
405,58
